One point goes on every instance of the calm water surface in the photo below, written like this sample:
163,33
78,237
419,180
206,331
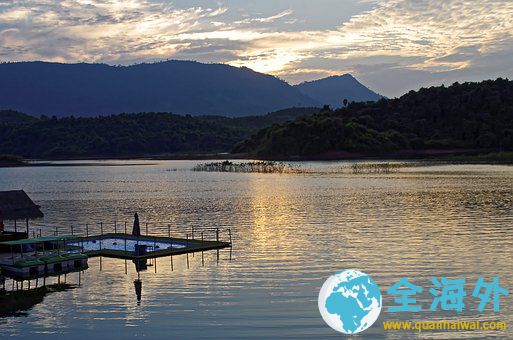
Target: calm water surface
290,232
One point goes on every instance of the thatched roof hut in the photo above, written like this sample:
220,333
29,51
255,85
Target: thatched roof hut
16,205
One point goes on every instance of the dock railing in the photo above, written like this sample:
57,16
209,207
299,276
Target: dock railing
151,229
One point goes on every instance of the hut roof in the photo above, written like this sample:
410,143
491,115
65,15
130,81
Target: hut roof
16,205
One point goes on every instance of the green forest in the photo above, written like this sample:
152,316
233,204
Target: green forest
468,116
129,135
462,116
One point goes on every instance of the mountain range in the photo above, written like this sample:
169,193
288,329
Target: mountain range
468,117
181,87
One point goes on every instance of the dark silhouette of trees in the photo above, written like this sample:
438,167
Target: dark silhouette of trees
468,115
128,135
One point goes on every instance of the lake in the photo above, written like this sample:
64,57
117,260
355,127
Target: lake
290,233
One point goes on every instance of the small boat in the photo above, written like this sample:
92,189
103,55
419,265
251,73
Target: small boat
26,267
41,255
54,263
76,260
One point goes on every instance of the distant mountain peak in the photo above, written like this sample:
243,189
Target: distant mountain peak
333,90
178,86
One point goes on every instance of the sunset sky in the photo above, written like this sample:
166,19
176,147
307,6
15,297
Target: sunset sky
391,46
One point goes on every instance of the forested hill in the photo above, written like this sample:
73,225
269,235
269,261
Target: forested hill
129,135
10,117
335,89
469,115
181,87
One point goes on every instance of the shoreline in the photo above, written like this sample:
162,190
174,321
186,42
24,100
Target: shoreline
477,156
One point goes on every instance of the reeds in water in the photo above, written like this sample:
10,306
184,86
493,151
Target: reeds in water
376,168
258,167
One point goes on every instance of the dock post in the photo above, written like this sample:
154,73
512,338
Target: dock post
71,230
230,234
39,232
146,228
55,231
115,227
217,239
15,227
202,253
101,228
125,227
192,236
187,254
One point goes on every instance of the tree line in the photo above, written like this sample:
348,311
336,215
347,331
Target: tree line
461,116
129,135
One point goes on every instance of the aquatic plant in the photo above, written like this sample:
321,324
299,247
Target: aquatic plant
257,166
377,168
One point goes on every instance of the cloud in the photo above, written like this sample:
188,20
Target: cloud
265,19
96,30
428,41
394,46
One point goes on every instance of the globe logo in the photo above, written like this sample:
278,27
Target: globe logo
350,301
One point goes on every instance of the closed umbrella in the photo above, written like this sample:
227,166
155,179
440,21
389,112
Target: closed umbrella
136,230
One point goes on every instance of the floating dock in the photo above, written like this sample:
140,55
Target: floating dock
129,247
58,254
